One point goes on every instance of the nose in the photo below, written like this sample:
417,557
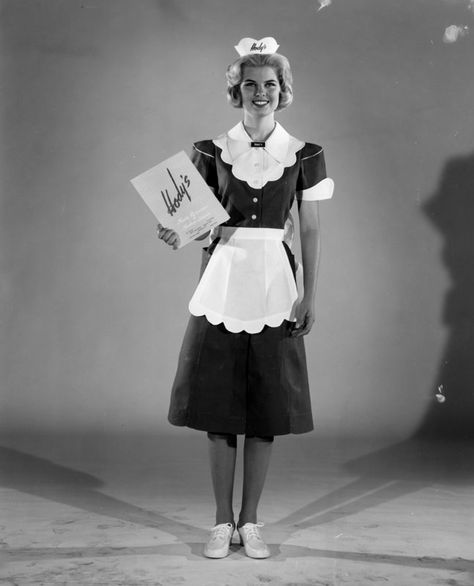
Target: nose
260,91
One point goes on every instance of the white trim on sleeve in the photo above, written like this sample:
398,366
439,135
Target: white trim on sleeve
322,190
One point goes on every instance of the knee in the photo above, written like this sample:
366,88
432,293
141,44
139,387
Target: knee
229,438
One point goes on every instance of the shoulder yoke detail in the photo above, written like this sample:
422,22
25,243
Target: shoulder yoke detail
205,147
310,150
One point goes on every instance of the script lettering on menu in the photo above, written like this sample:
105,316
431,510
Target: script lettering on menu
181,187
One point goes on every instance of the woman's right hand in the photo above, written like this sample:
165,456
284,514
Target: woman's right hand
167,235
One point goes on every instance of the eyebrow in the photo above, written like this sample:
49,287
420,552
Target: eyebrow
265,81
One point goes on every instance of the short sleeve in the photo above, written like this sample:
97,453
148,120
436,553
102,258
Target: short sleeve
313,184
203,157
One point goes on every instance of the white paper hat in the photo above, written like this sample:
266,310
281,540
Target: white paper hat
248,46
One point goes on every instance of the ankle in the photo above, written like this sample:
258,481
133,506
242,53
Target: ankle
222,519
247,519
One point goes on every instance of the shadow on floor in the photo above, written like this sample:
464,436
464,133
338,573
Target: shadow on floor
381,476
385,475
42,478
280,553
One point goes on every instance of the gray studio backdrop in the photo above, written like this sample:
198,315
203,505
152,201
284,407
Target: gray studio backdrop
93,306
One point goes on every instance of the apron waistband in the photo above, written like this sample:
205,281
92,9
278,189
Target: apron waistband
231,232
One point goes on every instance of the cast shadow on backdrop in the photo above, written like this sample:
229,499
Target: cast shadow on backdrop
441,450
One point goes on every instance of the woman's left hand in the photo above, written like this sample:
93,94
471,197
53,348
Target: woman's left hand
304,319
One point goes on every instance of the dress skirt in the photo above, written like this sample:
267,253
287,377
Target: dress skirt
241,383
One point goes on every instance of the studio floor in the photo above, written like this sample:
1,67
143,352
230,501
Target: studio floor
132,510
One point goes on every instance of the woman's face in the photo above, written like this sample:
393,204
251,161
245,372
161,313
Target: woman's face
260,90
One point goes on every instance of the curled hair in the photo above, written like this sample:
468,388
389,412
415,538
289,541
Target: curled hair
281,67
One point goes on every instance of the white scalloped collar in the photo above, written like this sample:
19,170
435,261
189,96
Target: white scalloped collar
276,144
279,152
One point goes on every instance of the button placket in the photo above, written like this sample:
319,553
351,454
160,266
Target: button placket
256,206
257,182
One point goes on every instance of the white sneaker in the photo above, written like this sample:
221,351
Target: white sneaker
251,539
219,541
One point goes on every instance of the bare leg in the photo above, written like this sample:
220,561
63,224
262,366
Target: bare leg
222,455
257,452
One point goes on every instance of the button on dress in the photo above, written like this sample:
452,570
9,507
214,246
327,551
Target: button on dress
239,370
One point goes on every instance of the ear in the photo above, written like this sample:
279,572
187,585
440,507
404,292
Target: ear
236,96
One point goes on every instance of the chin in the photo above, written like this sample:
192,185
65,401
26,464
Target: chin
269,109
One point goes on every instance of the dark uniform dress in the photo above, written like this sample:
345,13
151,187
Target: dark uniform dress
236,375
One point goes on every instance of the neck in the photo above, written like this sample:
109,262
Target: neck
259,128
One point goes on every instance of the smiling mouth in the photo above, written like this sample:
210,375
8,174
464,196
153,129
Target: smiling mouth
260,102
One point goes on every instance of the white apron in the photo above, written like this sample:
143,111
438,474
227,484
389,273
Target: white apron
248,282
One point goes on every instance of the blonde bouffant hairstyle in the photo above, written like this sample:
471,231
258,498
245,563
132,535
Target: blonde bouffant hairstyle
278,62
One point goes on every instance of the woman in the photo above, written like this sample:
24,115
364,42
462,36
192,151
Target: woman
242,366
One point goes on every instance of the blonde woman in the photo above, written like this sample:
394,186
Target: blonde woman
242,367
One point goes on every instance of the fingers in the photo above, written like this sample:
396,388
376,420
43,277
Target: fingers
169,236
302,328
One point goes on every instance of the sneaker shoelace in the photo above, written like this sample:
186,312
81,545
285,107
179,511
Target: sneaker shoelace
220,531
254,531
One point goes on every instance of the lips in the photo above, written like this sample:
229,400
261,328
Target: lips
260,103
